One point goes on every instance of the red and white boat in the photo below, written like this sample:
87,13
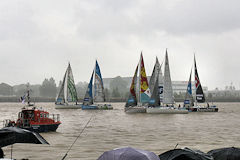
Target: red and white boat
35,119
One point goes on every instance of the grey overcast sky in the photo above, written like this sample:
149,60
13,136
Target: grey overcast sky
38,38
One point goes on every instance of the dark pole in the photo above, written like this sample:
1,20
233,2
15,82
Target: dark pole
11,150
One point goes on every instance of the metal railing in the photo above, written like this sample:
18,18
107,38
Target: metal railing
56,117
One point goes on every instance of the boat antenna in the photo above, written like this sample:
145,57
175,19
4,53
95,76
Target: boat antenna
172,152
176,146
78,137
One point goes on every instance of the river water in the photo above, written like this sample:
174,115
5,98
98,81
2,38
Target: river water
111,129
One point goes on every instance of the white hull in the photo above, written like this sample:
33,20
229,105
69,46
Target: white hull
166,110
203,109
69,106
135,109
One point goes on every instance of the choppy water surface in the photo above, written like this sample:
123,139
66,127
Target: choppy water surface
114,128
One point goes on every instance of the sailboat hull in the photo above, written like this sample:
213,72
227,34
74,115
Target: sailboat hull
166,110
97,106
135,109
67,106
203,109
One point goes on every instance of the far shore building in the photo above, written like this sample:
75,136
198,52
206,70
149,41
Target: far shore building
178,86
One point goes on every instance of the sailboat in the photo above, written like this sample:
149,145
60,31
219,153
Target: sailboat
67,96
99,95
199,96
167,106
138,97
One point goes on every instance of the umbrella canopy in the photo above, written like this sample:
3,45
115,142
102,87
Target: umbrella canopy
11,135
230,153
186,154
128,153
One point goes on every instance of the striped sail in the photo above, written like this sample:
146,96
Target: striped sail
71,89
67,92
167,84
132,99
144,89
99,95
88,98
200,98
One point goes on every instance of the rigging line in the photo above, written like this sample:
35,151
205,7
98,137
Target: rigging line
78,136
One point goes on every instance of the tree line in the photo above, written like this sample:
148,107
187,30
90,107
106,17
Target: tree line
118,88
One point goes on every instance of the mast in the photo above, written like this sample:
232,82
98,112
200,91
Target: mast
139,80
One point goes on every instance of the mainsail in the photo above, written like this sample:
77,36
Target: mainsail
160,83
67,92
189,97
144,89
88,98
72,92
99,95
167,87
199,91
155,98
132,99
154,76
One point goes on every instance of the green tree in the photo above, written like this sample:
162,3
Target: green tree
117,84
81,88
48,88
116,93
6,89
107,94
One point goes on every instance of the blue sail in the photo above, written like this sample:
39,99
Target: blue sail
189,88
189,97
88,99
98,72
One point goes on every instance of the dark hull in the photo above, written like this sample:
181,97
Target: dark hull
42,128
203,109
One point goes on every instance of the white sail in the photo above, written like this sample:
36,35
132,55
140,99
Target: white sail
167,87
154,76
160,83
99,95
62,92
71,89
65,89
67,92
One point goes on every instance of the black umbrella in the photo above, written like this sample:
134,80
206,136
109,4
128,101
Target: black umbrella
11,135
230,153
186,154
128,153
